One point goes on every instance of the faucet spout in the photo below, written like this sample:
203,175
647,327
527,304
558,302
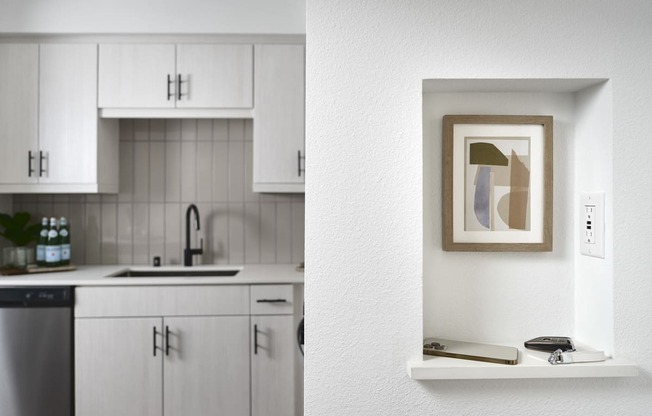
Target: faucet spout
188,252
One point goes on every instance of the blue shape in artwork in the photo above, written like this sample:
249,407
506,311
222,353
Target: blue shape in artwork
482,196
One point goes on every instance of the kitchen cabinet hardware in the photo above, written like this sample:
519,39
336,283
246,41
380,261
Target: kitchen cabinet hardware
169,91
154,341
299,157
179,82
271,300
41,171
255,339
30,158
167,340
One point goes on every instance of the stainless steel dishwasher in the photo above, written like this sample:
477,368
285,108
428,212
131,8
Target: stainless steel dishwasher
36,353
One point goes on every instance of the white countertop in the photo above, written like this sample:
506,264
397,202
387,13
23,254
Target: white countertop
96,276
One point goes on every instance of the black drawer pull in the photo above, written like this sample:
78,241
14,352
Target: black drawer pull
271,301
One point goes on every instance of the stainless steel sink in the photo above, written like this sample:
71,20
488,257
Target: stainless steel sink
175,272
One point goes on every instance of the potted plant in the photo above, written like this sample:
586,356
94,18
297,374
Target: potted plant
20,233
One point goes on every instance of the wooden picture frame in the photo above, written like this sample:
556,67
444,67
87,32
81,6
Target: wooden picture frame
497,183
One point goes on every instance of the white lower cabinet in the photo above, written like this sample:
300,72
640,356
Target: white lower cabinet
272,384
185,351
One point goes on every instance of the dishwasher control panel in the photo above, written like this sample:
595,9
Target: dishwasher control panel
35,297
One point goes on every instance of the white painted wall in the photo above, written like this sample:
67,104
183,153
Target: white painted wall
365,289
153,16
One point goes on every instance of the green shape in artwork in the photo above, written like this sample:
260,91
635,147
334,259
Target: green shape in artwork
486,154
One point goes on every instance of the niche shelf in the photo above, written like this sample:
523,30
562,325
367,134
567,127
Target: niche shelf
507,298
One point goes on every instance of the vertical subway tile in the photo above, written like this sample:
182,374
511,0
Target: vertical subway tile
205,130
236,130
156,171
157,130
125,193
298,231
220,171
267,232
156,231
109,234
108,198
172,172
93,198
126,130
141,172
141,130
249,194
249,130
236,233
188,171
283,232
59,210
78,231
204,168
173,238
93,224
188,130
220,130
252,233
236,172
60,198
125,234
173,130
219,233
141,233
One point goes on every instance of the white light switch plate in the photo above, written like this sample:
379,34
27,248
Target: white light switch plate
592,224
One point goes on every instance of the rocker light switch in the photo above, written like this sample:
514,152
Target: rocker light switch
592,224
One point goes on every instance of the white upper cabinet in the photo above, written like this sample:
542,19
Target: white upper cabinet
279,118
137,76
153,76
18,113
215,76
59,145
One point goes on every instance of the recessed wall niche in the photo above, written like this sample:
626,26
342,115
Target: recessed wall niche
507,298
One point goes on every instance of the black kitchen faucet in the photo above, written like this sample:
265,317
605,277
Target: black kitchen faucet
189,252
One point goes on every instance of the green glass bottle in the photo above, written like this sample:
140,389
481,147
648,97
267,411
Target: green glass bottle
53,246
64,235
42,241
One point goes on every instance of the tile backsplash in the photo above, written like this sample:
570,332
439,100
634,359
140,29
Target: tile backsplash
165,165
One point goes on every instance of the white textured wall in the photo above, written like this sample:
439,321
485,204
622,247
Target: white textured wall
152,16
364,247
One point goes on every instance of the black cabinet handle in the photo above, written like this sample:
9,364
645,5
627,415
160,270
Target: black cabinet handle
299,157
271,301
154,341
255,339
167,340
41,171
30,158
179,87
169,82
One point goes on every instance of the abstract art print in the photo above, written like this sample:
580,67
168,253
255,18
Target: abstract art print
497,187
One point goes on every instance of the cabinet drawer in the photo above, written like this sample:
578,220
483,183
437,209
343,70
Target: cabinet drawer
272,299
161,301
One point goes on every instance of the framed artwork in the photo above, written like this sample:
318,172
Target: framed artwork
497,183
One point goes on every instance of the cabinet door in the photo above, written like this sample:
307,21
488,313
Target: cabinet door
207,366
68,113
272,365
117,369
136,76
279,114
18,113
215,76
